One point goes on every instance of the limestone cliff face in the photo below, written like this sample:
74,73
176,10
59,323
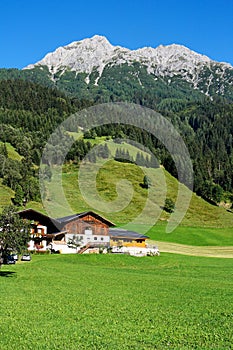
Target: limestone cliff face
94,54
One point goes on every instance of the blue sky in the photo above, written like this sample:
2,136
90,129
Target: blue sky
30,29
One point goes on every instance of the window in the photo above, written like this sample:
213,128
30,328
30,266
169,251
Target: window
88,231
102,239
95,238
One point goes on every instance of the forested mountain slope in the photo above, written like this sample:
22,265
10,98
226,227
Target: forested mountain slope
29,113
191,90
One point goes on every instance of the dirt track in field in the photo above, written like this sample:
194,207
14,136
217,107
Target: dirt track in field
210,251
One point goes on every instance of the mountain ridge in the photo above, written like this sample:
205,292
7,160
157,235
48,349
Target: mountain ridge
94,56
97,42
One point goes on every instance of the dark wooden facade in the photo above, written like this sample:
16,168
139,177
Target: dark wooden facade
38,218
76,224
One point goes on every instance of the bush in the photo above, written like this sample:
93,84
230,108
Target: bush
169,205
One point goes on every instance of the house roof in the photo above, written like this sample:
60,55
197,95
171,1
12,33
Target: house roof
31,214
58,223
64,220
121,233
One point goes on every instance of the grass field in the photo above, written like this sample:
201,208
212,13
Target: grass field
197,236
117,302
194,250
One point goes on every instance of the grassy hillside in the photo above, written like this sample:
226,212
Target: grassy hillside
5,195
199,213
12,153
5,192
117,302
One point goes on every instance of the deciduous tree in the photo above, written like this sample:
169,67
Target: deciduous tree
14,233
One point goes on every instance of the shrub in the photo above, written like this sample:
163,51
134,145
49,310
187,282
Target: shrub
169,205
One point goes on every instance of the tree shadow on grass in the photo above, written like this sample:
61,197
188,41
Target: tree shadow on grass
7,273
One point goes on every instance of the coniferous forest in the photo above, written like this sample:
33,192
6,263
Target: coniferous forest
30,112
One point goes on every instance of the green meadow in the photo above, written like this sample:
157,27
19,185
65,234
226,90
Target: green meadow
117,302
195,236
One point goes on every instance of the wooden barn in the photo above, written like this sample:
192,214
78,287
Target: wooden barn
79,233
67,234
88,229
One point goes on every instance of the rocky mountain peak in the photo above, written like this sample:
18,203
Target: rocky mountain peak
94,54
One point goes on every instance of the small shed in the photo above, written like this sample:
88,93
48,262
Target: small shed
126,238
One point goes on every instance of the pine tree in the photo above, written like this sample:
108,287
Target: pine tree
146,182
19,196
3,150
